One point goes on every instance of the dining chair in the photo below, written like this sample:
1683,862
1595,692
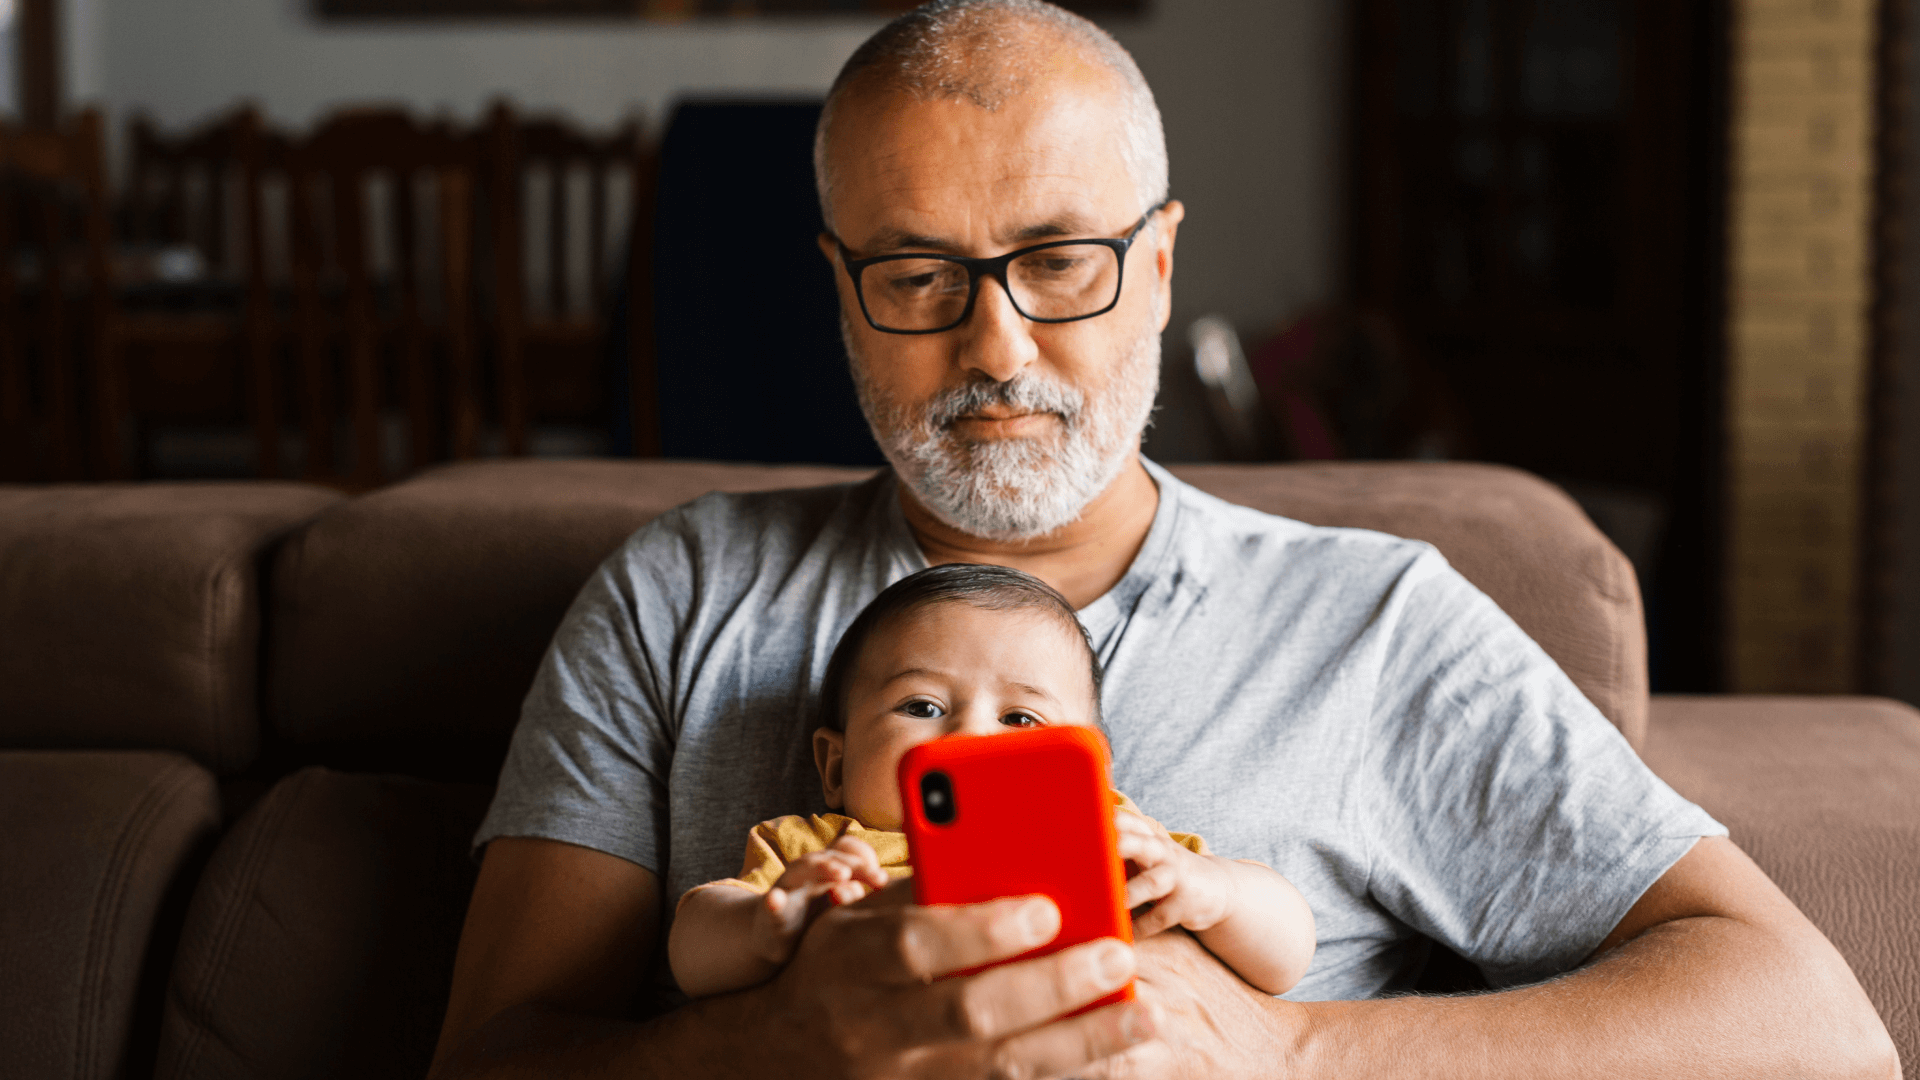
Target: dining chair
568,198
56,305
201,340
384,276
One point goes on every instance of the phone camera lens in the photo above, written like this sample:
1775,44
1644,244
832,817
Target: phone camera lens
936,798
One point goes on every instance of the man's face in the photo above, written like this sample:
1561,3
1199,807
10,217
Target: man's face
1002,427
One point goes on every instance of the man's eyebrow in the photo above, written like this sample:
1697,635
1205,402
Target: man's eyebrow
889,240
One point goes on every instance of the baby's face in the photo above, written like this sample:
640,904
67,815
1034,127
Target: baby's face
947,669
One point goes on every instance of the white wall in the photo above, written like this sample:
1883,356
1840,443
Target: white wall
1250,90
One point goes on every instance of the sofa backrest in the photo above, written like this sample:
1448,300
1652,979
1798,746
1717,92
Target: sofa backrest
130,614
407,624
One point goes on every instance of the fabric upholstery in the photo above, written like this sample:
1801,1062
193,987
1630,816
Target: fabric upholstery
95,861
1521,540
1823,793
408,623
131,614
320,941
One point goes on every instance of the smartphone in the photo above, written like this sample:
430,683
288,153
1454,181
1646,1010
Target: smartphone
1018,814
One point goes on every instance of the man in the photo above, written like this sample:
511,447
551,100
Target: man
1339,704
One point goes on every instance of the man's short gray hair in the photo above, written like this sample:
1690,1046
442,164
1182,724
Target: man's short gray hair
983,51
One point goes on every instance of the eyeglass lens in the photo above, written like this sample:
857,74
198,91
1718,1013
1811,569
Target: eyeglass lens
1067,282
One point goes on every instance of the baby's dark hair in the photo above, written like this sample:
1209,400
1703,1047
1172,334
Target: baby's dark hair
994,588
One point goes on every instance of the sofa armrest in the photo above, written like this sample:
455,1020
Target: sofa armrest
1823,793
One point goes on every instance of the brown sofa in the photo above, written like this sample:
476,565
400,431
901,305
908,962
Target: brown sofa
246,731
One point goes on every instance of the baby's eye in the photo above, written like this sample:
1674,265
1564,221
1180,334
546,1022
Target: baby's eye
923,710
1020,719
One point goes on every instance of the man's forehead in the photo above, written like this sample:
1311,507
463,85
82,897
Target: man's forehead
916,173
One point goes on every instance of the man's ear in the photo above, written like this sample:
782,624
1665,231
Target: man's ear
1169,225
829,754
830,248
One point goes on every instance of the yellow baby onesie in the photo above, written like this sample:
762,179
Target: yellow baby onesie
774,844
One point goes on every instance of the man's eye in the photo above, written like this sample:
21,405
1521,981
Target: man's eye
1020,719
923,710
909,278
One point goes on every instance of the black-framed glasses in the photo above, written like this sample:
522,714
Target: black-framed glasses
1056,282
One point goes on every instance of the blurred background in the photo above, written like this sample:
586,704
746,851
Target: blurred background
1651,251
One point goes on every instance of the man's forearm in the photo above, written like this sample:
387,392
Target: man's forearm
1695,998
701,1039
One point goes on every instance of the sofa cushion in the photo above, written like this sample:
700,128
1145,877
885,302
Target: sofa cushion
1521,540
408,623
96,861
131,614
321,937
1823,793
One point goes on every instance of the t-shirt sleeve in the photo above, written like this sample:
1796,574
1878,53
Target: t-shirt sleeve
589,760
1506,817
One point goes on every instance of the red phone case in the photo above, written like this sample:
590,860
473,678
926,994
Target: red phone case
1033,814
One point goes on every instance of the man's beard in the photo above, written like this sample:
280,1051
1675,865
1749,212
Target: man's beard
1014,489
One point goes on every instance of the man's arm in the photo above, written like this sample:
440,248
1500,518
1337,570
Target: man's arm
558,937
1713,973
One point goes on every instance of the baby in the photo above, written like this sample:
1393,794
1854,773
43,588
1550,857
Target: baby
961,649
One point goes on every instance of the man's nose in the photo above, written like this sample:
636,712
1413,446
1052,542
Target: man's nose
997,341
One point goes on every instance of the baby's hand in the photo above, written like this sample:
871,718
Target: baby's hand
841,874
1185,889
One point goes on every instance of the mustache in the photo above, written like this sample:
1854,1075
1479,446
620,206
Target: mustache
1023,392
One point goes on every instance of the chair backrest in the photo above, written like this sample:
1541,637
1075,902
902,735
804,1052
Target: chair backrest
52,199
181,187
565,196
361,263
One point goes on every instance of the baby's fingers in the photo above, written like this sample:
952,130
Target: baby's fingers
1138,842
1162,916
863,862
1151,884
786,912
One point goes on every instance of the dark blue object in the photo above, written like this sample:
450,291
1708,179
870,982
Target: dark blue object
746,318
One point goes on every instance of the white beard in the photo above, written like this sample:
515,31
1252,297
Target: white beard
1014,489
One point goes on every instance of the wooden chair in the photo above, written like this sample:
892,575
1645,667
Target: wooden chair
179,188
52,195
554,328
350,303
199,193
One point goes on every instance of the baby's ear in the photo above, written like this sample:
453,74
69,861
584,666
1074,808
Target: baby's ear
829,752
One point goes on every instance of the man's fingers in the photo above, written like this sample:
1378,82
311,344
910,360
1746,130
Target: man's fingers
1015,997
1070,1046
1155,1057
920,944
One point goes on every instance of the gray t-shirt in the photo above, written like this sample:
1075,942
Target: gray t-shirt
1338,704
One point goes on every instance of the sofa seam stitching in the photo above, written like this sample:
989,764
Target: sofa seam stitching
107,906
226,933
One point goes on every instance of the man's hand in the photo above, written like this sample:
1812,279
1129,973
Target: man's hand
865,995
558,936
